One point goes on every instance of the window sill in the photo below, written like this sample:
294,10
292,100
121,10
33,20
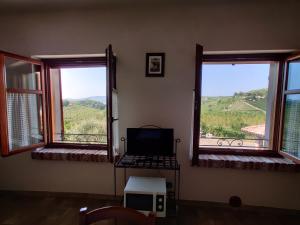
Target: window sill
70,155
247,162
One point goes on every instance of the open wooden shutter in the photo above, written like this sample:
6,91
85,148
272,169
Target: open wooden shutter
112,104
197,102
290,116
22,97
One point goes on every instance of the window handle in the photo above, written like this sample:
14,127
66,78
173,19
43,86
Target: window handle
114,119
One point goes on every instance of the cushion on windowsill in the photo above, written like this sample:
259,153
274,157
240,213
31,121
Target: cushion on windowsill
247,162
70,154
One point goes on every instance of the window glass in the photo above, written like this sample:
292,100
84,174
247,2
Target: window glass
294,75
24,120
22,75
236,105
291,131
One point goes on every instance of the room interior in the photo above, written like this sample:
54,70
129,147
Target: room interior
36,189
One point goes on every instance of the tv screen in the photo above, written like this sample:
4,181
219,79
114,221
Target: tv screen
150,141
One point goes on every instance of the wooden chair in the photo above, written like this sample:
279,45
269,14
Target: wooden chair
117,213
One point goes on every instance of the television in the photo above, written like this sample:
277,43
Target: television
150,141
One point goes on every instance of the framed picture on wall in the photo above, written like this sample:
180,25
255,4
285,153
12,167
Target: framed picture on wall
155,64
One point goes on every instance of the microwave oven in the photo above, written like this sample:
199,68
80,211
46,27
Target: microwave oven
146,194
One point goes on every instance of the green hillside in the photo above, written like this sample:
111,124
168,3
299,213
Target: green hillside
85,117
257,98
259,103
224,116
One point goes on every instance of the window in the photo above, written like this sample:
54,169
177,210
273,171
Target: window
237,102
291,114
21,99
242,106
81,93
64,102
78,101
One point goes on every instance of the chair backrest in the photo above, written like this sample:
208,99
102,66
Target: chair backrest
115,212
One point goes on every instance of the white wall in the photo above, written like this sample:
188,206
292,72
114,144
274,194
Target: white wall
167,102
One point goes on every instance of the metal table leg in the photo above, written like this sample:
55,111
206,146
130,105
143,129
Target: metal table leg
175,184
115,181
125,177
178,184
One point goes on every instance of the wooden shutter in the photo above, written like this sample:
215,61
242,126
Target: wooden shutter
111,96
197,102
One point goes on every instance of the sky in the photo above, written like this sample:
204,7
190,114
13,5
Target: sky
294,71
226,79
217,80
83,82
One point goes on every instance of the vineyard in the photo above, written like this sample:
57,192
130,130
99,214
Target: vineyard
84,117
224,116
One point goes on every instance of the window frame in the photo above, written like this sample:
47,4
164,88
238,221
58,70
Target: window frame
201,58
58,63
4,137
285,93
108,61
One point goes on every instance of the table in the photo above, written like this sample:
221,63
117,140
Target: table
149,162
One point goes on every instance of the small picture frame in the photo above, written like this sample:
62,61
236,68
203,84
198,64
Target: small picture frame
155,64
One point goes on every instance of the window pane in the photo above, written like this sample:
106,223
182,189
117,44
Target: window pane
236,105
83,116
21,74
24,120
294,75
291,132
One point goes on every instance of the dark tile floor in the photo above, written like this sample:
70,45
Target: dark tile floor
49,210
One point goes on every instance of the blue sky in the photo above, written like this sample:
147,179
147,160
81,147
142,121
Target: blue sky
83,82
225,79
294,71
217,80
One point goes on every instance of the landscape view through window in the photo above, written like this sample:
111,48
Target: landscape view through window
84,105
234,105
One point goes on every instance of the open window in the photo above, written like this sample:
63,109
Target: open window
290,126
238,104
80,96
78,105
58,103
22,111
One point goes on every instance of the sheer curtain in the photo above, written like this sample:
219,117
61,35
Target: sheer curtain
291,136
23,120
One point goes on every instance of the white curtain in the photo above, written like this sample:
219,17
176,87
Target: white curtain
292,122
23,120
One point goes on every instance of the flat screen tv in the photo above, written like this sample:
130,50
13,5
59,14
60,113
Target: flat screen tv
150,141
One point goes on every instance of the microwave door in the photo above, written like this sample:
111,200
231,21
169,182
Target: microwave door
142,202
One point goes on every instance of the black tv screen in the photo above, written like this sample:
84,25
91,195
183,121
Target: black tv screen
150,141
